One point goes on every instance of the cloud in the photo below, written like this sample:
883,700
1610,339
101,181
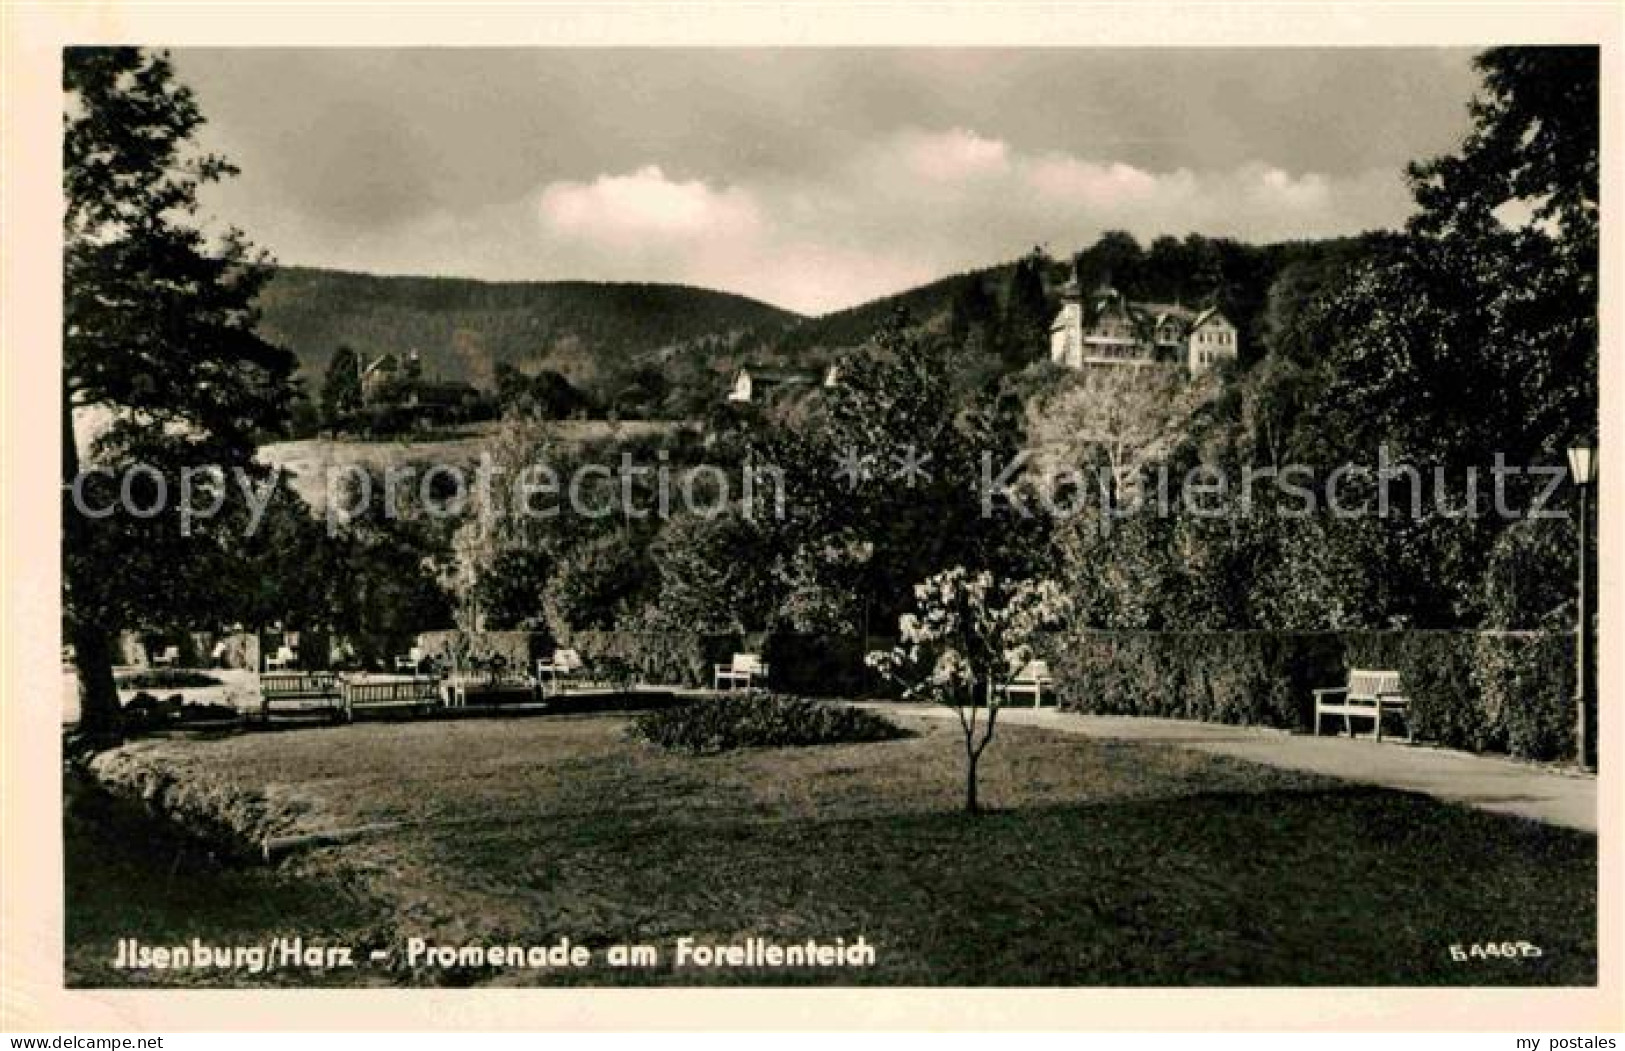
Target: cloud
1069,180
628,210
906,208
1307,192
916,205
951,156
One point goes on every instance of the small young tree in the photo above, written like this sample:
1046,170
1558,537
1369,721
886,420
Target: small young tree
971,637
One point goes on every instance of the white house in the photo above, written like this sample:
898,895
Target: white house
753,382
1108,329
1212,339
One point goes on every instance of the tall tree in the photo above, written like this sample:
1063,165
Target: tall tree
1116,259
341,389
972,315
158,334
1472,334
1534,140
1027,314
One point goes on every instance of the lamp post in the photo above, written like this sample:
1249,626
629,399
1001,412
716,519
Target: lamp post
1583,471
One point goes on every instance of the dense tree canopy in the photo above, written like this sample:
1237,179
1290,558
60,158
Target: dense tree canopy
159,342
1470,336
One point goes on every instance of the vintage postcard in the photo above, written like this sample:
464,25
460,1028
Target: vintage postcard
922,520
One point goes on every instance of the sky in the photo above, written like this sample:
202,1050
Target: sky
811,179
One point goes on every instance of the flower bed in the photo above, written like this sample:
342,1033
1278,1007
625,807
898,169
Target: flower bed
725,723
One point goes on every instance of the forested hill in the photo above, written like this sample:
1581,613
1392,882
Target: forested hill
665,351
1010,306
463,327
928,304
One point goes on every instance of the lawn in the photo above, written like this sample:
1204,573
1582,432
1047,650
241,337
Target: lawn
1102,863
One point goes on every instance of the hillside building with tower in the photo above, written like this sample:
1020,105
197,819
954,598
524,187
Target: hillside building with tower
1106,328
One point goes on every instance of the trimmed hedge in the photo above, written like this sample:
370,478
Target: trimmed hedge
825,665
1483,691
1526,685
724,723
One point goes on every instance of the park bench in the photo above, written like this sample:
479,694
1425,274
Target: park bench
1033,678
1368,695
417,695
746,669
493,685
559,670
301,694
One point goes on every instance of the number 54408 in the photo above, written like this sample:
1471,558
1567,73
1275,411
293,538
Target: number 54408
1494,951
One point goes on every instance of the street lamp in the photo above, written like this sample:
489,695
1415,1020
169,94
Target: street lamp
1583,471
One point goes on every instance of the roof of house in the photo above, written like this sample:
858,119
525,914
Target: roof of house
1163,311
1148,316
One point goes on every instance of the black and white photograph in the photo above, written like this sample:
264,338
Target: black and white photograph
1069,517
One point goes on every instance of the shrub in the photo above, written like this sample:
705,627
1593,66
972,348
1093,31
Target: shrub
165,679
721,724
146,712
206,712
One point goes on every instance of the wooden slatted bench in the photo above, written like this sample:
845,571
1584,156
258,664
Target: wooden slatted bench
564,667
1368,695
417,695
489,686
301,695
1033,678
746,669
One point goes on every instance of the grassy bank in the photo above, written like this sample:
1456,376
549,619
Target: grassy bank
1103,863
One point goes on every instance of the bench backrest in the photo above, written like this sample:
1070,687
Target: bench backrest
298,683
751,662
1033,671
384,692
1367,684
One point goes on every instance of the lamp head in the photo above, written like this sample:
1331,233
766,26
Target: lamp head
1583,464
